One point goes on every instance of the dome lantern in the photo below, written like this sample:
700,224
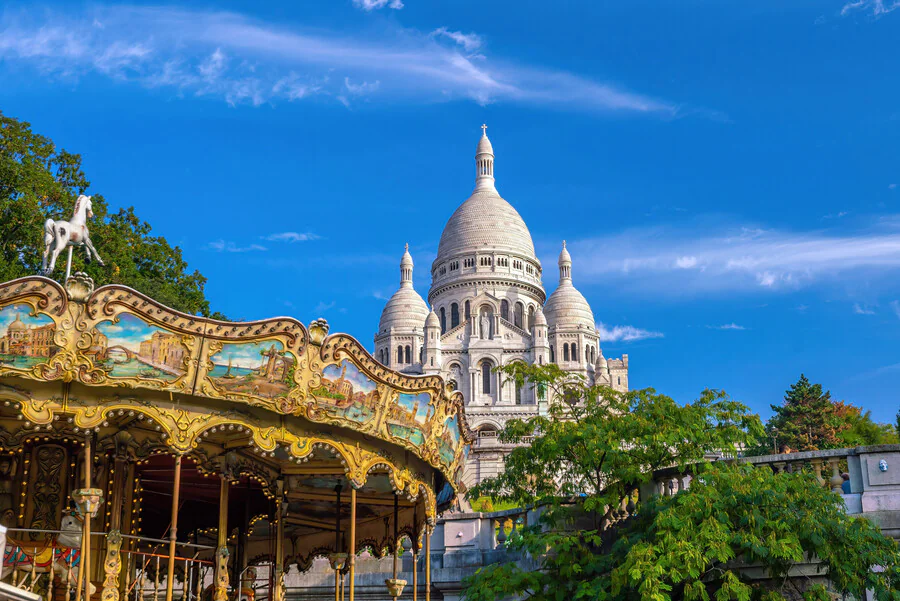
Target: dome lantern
565,265
406,268
484,162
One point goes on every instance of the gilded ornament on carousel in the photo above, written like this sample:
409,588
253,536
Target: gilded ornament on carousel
88,501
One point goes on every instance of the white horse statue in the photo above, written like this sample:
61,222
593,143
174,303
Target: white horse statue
60,234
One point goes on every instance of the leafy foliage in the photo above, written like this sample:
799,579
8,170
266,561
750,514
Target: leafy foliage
39,181
595,446
861,429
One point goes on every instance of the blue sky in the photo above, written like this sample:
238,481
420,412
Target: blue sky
725,173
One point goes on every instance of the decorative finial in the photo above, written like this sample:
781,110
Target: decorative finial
564,243
484,130
406,247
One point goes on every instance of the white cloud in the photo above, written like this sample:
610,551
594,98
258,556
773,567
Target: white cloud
862,309
322,307
231,247
624,333
727,326
291,237
370,5
686,262
469,41
250,62
711,256
876,7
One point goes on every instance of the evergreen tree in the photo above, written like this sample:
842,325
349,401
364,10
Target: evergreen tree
807,420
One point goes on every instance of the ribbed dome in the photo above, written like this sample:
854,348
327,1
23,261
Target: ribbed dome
432,320
567,307
484,146
404,311
539,318
485,222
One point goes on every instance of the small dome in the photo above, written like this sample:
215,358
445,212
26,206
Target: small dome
16,325
432,320
404,311
539,319
567,307
601,361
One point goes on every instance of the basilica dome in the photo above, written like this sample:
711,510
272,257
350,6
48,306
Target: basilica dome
567,307
485,222
405,311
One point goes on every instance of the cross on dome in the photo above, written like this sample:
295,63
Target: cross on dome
484,130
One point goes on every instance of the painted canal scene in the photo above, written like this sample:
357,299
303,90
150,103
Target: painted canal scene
448,443
347,392
129,347
259,368
407,417
25,339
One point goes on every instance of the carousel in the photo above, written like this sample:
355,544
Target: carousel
146,454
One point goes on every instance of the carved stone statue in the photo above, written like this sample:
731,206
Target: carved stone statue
60,234
485,326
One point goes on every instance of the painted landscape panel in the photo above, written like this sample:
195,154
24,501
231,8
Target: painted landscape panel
449,440
25,339
407,417
347,392
133,348
259,368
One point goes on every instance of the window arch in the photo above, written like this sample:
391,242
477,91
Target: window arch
518,314
454,315
574,352
408,355
504,309
566,352
552,355
468,311
399,355
518,393
530,317
443,321
421,354
486,377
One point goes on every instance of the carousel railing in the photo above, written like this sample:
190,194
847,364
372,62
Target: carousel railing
137,573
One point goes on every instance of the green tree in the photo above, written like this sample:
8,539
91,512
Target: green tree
807,420
861,429
40,181
596,446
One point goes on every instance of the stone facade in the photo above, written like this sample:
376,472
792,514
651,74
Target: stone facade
489,308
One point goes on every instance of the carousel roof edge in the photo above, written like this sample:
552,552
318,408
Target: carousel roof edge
298,385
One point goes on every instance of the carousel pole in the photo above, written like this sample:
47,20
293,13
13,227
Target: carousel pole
415,557
337,542
352,557
279,543
396,539
427,563
84,572
221,590
173,529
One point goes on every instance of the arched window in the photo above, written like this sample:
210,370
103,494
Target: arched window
593,355
454,315
518,393
574,352
399,355
587,354
443,321
468,310
517,316
381,356
566,352
504,310
486,377
421,354
552,355
408,355
530,317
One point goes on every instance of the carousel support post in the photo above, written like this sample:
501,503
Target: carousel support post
337,563
279,542
427,563
352,557
415,557
69,264
84,571
394,584
173,529
221,591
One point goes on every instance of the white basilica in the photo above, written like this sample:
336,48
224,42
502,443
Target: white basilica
489,308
